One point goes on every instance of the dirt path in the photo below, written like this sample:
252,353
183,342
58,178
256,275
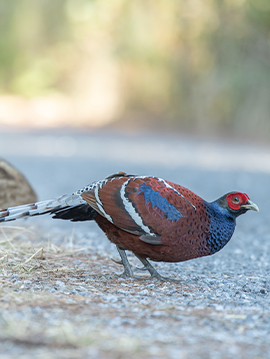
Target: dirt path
60,293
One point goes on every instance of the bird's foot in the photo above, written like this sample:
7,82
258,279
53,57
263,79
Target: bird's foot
147,266
155,275
166,279
126,274
125,263
153,272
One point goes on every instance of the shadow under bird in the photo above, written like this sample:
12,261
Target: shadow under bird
154,218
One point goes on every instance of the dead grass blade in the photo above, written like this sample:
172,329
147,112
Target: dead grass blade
35,255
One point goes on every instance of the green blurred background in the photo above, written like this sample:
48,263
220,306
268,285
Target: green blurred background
196,66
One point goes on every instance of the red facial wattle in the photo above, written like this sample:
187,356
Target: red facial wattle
235,200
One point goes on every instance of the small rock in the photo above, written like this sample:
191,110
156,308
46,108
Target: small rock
36,309
77,262
60,284
144,292
85,294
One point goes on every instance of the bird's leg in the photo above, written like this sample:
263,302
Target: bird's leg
148,266
153,272
124,261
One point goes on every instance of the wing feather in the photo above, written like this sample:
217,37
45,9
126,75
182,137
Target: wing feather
146,206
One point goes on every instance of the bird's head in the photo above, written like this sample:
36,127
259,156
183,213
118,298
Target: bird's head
237,203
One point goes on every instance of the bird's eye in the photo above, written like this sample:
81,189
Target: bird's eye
235,199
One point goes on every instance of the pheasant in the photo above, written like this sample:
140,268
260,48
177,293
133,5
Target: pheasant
149,216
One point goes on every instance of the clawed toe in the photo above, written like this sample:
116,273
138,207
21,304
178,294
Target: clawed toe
147,266
142,269
117,262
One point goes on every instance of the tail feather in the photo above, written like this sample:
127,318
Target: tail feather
83,212
64,203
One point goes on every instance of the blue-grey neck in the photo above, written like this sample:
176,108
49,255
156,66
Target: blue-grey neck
221,228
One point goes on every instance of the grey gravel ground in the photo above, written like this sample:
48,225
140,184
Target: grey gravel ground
72,304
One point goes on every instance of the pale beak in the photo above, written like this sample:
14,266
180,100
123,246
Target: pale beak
250,205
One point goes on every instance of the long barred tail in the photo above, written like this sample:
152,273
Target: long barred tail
71,207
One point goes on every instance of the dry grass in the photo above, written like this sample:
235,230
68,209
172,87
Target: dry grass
30,268
68,302
44,305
